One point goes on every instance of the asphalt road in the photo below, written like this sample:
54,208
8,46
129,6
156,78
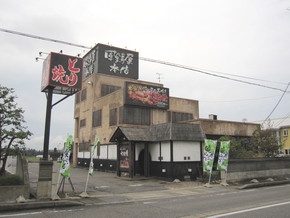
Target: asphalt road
198,202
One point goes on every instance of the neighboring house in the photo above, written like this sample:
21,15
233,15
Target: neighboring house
276,133
285,139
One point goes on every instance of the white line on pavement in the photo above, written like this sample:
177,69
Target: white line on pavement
20,214
248,210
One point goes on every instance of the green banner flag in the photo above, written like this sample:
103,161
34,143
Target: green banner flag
91,169
65,165
224,156
208,154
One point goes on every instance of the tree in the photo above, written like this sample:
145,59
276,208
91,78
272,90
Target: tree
265,141
12,131
238,148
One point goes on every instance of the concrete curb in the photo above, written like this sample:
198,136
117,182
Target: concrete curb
37,205
263,184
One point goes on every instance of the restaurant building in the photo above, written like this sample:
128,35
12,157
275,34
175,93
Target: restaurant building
142,130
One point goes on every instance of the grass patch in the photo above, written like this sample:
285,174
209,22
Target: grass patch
32,159
10,180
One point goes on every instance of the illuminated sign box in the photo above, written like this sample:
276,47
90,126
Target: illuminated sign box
146,95
110,60
63,73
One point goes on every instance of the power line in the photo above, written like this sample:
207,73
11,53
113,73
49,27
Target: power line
204,72
252,99
141,58
277,103
44,38
284,118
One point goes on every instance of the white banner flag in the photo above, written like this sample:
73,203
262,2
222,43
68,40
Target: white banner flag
209,152
224,156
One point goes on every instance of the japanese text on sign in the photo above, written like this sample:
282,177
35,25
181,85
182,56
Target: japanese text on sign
120,61
59,74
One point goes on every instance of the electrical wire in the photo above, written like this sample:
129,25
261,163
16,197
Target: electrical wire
252,99
277,103
142,58
204,72
281,121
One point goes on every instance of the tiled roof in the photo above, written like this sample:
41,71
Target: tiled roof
160,132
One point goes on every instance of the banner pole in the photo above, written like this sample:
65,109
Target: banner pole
209,178
91,167
88,177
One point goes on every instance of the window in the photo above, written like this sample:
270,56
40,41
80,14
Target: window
83,123
97,118
83,94
134,115
77,98
113,117
285,132
83,147
107,89
287,151
179,116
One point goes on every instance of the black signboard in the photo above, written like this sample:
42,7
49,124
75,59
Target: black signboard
146,95
112,61
62,72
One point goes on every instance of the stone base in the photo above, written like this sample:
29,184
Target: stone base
84,195
208,185
224,183
44,179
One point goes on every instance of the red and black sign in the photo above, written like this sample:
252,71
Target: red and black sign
146,95
62,72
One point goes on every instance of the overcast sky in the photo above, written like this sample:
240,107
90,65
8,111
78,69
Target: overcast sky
247,40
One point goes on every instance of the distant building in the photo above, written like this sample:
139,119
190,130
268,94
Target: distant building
214,128
285,139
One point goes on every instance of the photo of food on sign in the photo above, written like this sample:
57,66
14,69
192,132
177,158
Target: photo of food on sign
151,96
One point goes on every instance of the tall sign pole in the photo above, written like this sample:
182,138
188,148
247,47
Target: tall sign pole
47,123
61,74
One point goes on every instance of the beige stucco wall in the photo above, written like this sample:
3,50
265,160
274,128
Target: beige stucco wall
220,127
185,106
94,101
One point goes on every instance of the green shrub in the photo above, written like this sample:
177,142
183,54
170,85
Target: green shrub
10,180
32,159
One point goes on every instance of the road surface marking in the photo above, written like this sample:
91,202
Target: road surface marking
20,214
248,210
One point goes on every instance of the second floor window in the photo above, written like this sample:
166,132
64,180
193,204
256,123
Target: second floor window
97,118
83,123
83,94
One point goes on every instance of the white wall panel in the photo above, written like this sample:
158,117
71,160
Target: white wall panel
87,154
154,151
80,154
103,152
138,149
186,151
165,151
112,152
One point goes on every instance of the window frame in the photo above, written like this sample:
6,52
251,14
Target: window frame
97,118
